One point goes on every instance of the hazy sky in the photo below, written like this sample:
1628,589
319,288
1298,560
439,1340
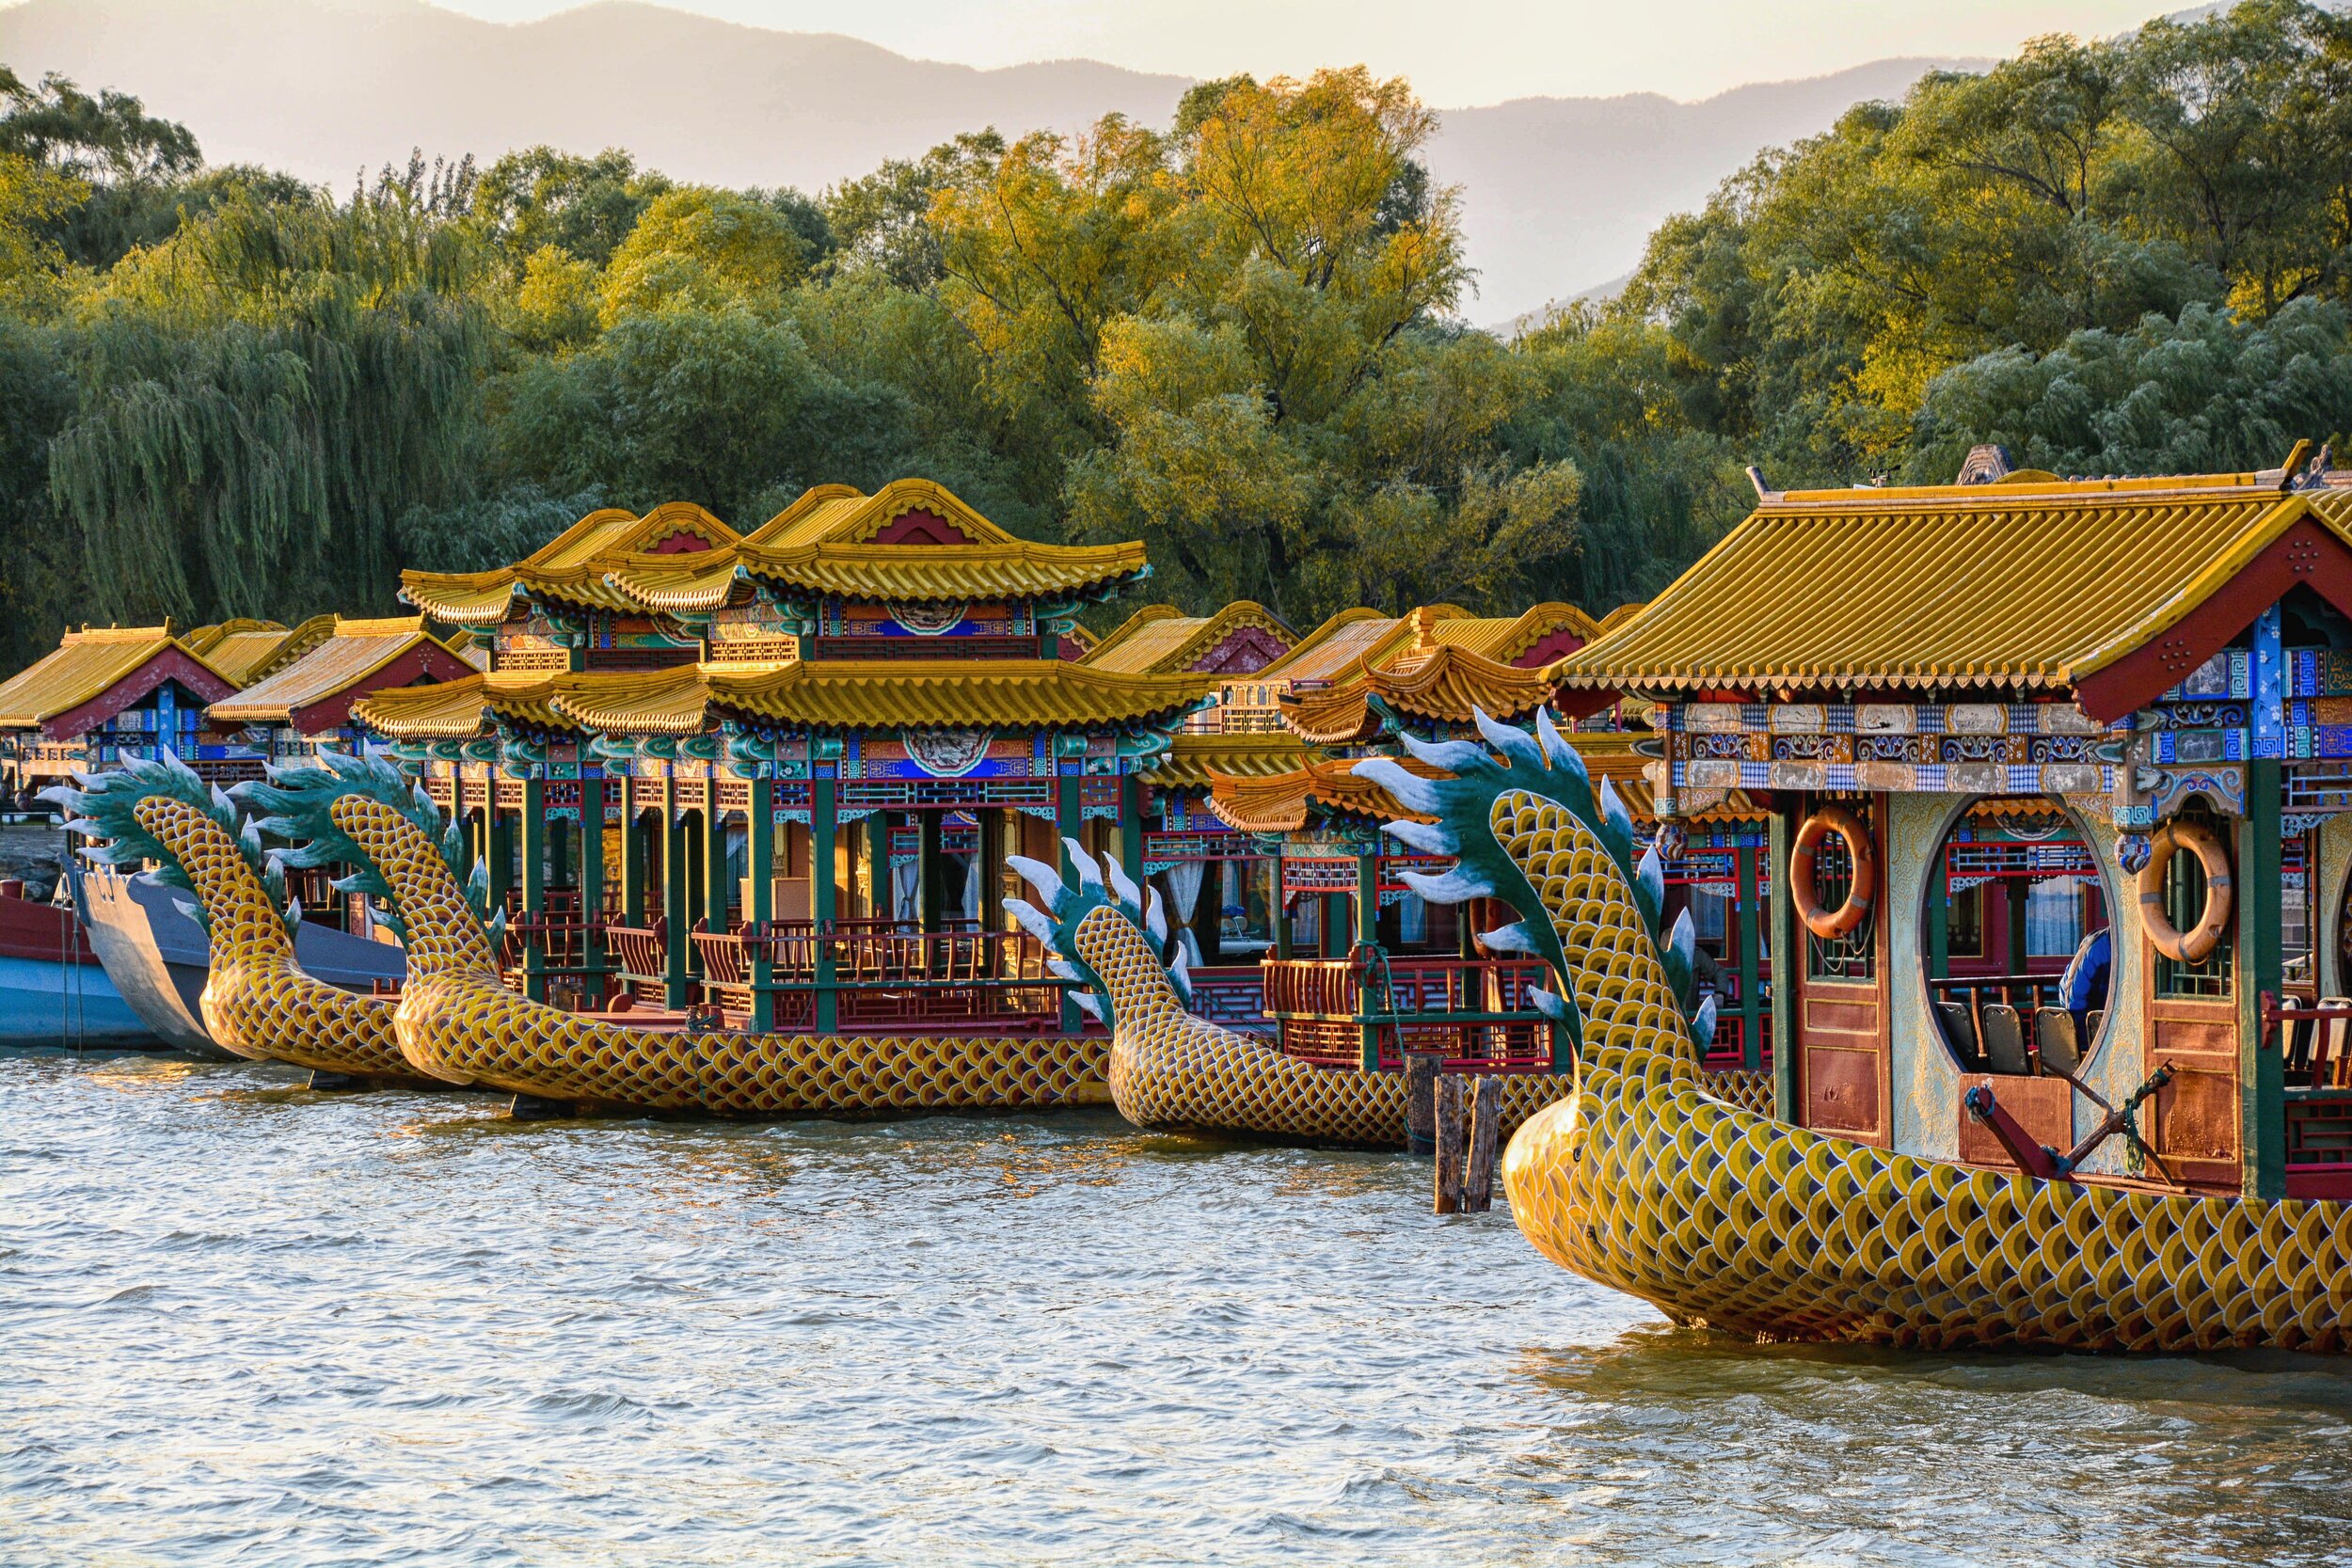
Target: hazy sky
1456,52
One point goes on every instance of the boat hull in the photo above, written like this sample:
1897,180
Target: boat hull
159,957
46,1003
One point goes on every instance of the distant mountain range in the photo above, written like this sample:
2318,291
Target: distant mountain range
1559,192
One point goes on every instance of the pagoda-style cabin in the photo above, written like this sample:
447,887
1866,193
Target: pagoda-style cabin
304,706
810,748
1974,713
106,693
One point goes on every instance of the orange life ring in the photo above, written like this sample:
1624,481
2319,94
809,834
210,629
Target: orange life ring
2203,842
1860,894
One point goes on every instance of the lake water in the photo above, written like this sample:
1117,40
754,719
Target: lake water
241,1322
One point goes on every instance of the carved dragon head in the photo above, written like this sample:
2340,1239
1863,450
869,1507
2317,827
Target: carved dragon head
1540,764
1099,886
106,807
297,802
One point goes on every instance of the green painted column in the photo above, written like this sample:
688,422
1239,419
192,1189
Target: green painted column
633,858
675,907
714,861
502,853
592,883
1787,953
1068,821
2261,967
1283,940
824,822
2013,890
534,836
1131,824
759,856
1939,924
1368,933
878,856
1751,967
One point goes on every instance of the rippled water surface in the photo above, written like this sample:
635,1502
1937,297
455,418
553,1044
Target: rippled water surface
241,1322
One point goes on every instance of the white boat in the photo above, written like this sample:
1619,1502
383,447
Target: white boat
158,957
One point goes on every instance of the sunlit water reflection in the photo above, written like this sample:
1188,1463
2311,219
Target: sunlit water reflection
243,1322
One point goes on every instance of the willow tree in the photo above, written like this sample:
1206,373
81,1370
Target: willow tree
263,396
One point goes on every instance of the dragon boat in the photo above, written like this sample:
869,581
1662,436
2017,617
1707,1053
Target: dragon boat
459,1021
1724,1217
257,1002
1173,1071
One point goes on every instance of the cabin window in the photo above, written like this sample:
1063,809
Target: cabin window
2184,903
1963,922
2054,918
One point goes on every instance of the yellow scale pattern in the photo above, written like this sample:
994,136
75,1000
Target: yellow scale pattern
458,1022
1174,1071
1723,1217
257,1002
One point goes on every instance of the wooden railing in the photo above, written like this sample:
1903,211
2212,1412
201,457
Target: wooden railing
881,976
1341,1013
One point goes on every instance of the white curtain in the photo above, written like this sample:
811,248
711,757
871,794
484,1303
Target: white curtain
1412,919
1183,886
972,887
906,886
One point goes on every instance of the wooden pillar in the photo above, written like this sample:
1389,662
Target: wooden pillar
1284,943
1751,966
1331,918
824,870
592,884
534,836
878,853
759,850
676,908
992,853
1788,959
1067,821
2259,963
2013,891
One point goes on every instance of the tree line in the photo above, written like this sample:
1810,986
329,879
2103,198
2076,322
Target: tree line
1241,337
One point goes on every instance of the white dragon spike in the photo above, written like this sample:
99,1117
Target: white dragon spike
1088,1003
223,811
1130,896
1548,1004
1032,920
1613,809
1430,838
1514,937
1683,941
1703,1023
1651,876
1044,877
1514,743
1452,755
1155,918
293,913
1451,887
1555,746
1411,791
1180,972
1090,874
1064,969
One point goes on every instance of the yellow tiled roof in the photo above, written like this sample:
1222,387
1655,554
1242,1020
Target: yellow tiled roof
570,567
1504,639
1328,652
83,666
1194,761
355,651
1007,694
1161,638
1283,803
652,701
2036,584
1447,683
460,709
1014,570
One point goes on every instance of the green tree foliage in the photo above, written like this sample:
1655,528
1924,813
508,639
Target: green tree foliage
2078,186
2207,393
1238,337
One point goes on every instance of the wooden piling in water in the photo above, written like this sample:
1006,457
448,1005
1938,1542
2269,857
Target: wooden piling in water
1486,1131
1421,1101
1451,1149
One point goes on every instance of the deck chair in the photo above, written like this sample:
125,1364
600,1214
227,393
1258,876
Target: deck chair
2057,1040
1960,1033
2004,1041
